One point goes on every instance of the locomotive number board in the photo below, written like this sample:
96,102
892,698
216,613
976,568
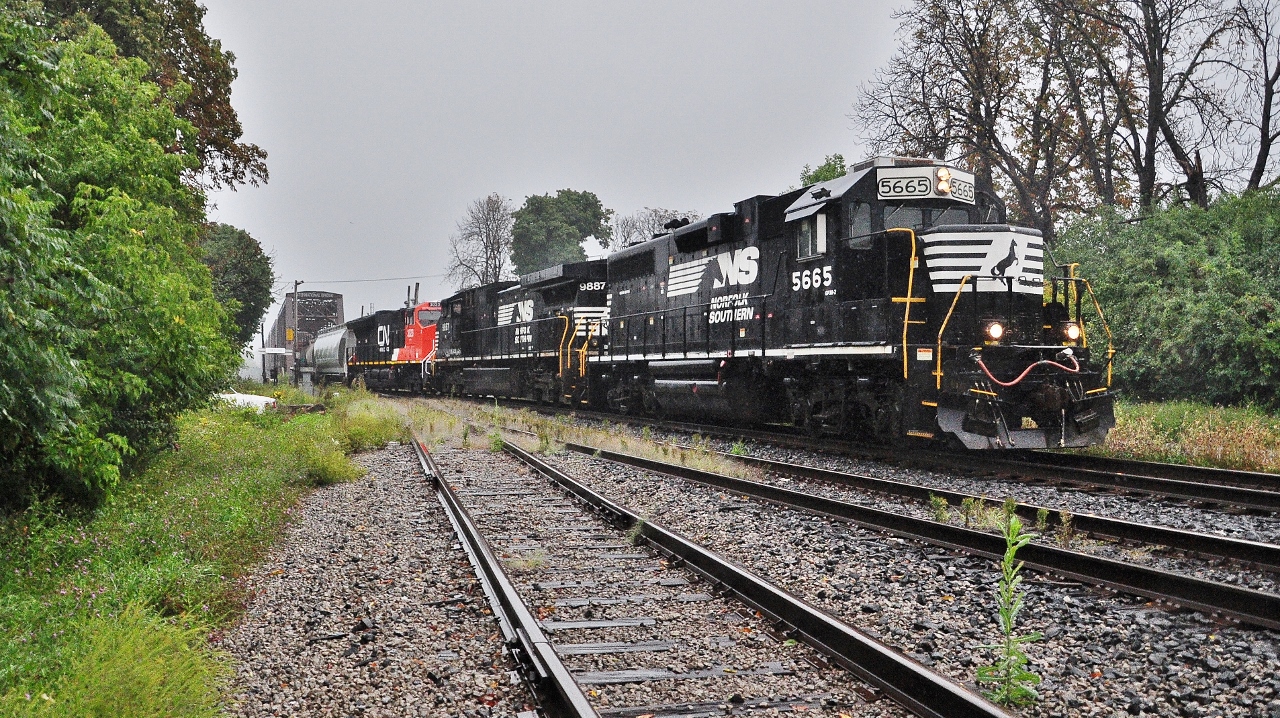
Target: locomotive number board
923,183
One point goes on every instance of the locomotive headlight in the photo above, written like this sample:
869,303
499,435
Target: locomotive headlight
944,181
1072,331
995,330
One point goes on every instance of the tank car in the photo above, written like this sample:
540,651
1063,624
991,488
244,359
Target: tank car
894,302
528,339
329,354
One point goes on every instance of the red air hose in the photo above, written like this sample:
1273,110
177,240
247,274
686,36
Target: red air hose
1074,369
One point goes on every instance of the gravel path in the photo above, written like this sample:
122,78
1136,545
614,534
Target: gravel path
1102,655
684,646
379,549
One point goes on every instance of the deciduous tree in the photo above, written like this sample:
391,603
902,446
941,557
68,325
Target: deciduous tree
549,230
169,35
644,225
832,166
242,276
1164,73
100,240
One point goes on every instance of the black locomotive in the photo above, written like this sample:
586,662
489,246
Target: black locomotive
892,303
530,338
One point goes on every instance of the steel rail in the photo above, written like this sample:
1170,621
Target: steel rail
1253,490
1250,552
1258,499
1250,498
914,686
1152,480
1245,605
1257,552
1181,472
546,675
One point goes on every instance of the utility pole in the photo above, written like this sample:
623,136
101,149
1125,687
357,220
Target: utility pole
296,282
262,337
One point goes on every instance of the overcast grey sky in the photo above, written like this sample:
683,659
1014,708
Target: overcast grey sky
383,120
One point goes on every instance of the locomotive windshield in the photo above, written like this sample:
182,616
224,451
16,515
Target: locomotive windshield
917,217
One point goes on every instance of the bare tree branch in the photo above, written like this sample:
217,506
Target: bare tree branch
480,253
643,225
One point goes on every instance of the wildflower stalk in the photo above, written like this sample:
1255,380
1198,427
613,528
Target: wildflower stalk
1013,683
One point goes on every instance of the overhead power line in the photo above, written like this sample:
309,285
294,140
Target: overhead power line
381,279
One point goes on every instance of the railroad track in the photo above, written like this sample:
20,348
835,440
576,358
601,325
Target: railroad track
1247,606
1180,472
1242,490
1250,552
579,653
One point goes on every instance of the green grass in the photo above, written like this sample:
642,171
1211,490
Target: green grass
1191,433
105,614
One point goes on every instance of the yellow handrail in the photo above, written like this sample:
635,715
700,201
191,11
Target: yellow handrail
561,348
1111,350
586,343
906,314
572,335
954,300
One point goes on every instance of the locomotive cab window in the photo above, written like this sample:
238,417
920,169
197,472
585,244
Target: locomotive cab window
954,215
903,217
858,226
811,236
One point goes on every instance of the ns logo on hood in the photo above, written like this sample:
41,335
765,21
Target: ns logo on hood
737,268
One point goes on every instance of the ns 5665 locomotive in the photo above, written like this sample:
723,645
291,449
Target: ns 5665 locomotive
894,302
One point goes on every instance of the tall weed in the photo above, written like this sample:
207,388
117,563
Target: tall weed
1191,433
132,664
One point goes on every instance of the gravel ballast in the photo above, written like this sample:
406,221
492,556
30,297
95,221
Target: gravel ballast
571,567
1102,654
368,607
1148,510
1155,510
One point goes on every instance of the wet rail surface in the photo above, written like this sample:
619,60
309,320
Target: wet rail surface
1242,490
641,636
1252,607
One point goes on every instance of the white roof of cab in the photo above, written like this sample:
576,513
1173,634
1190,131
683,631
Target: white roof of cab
814,196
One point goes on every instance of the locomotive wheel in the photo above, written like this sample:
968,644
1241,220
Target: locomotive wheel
888,417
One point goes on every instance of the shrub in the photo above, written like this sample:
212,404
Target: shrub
1192,296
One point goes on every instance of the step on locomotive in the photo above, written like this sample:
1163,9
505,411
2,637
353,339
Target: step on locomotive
893,303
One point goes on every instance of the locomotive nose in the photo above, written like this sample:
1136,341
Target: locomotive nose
1049,397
